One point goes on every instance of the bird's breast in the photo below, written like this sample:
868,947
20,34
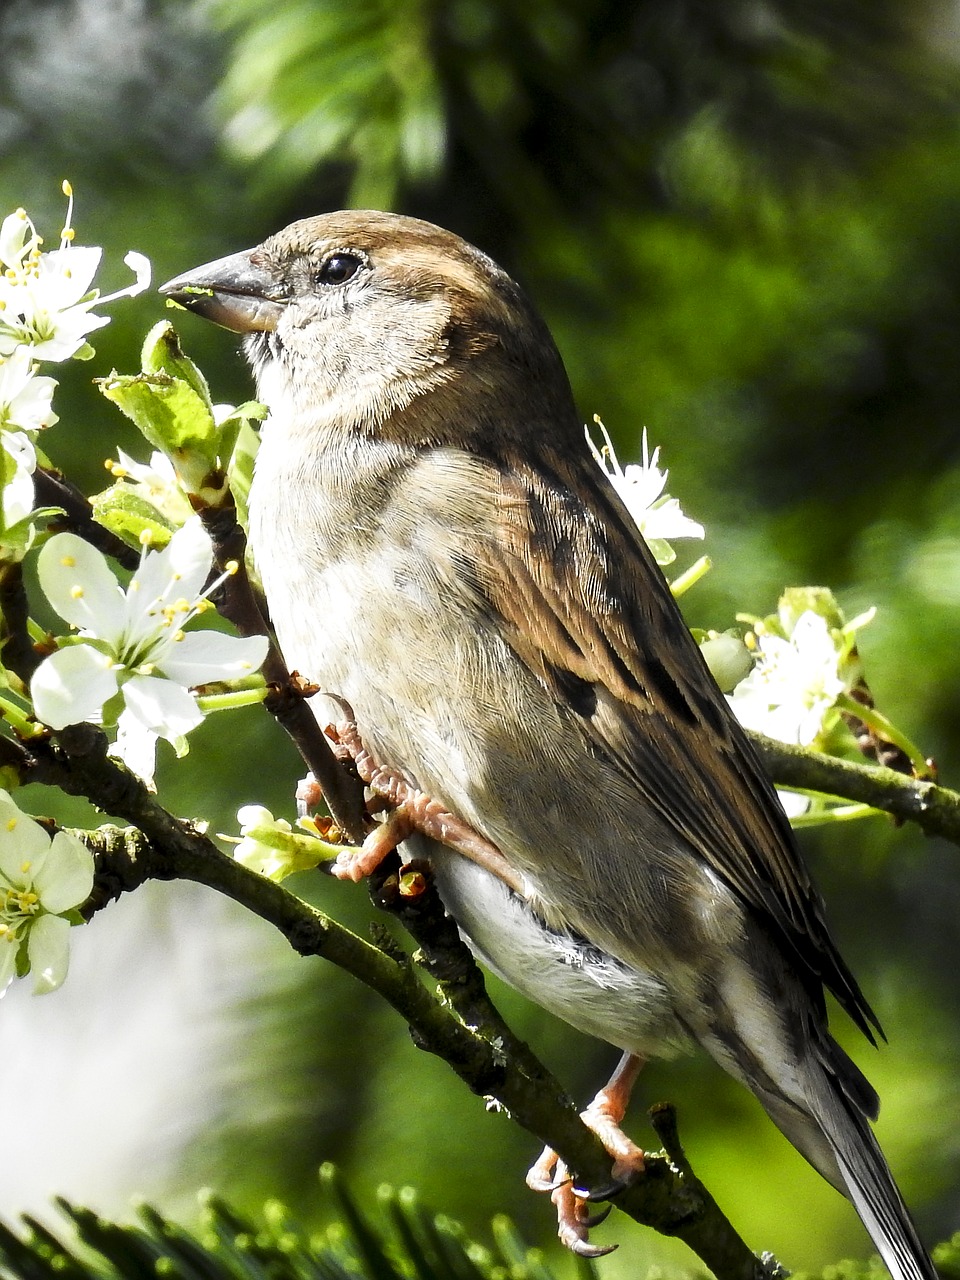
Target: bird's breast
365,554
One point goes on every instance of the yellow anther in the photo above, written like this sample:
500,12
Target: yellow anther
66,188
232,567
178,635
11,823
25,867
67,561
67,233
146,537
76,593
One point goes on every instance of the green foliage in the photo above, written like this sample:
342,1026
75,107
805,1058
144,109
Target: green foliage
407,1242
315,82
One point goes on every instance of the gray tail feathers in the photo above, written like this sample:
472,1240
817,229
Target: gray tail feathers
838,1101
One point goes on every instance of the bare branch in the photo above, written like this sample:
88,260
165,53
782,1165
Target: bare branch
54,490
933,808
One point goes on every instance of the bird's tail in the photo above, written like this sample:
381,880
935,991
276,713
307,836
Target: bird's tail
840,1100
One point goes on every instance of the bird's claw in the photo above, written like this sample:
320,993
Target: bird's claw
573,1221
357,864
549,1173
308,795
408,810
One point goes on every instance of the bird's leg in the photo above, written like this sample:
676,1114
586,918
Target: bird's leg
603,1116
410,811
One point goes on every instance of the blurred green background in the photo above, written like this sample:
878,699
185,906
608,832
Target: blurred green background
741,220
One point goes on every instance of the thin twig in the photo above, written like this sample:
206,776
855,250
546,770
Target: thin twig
935,809
236,600
54,490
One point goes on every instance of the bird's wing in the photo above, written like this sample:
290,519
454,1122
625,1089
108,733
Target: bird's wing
584,605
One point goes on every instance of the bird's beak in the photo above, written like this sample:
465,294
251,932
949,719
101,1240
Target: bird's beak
235,292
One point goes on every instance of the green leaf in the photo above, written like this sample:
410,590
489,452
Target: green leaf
240,467
162,353
129,515
175,418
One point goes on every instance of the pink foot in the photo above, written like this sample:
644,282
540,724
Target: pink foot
603,1117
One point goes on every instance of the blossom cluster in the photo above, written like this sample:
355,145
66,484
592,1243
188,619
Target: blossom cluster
126,660
131,663
46,312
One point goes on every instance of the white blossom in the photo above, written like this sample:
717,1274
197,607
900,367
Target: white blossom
641,489
47,299
132,651
42,879
272,848
19,462
25,396
156,481
794,683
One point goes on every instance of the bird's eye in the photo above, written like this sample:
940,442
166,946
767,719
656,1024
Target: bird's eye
338,268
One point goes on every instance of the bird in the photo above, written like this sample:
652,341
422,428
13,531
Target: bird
439,552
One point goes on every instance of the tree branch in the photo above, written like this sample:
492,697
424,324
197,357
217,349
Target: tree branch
17,653
54,490
933,808
237,601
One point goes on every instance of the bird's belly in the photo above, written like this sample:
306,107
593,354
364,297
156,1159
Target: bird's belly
588,988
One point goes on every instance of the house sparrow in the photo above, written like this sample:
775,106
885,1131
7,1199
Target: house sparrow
438,549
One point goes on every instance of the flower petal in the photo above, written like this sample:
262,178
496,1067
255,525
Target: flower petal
23,844
48,949
162,706
793,803
72,685
180,569
78,582
139,264
18,491
13,236
9,946
64,276
202,657
66,877
136,746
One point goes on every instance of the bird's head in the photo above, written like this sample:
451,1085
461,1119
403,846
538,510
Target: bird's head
359,316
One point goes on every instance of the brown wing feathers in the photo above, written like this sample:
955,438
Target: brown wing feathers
671,731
